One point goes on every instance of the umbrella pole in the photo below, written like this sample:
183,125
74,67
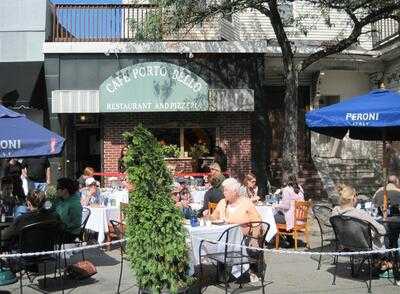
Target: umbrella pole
385,176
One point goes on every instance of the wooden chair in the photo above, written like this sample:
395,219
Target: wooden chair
211,207
300,224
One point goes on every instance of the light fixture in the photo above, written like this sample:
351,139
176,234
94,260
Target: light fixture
322,73
82,118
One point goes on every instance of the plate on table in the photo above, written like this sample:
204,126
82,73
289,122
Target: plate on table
218,222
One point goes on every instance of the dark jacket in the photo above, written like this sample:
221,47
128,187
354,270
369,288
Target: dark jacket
11,233
214,194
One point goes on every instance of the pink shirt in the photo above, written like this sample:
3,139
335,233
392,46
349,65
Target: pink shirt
287,204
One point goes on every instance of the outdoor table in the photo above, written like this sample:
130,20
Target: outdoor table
117,195
100,218
267,215
210,233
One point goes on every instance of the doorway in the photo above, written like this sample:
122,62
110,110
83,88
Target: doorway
88,149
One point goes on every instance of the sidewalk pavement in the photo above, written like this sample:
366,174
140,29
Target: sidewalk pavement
286,274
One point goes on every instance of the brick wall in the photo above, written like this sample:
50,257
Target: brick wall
235,130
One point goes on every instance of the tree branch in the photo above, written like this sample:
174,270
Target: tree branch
342,45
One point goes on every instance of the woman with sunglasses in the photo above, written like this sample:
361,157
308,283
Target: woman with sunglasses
249,188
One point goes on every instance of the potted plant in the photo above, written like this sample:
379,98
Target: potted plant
195,152
156,245
170,151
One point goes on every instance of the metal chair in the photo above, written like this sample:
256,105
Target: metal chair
81,237
322,213
227,255
353,235
37,237
119,231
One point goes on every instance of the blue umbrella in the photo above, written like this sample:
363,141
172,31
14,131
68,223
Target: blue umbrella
20,137
373,116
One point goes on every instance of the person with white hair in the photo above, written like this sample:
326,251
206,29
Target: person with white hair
235,209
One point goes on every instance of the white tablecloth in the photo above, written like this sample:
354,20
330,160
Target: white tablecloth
211,233
99,220
118,195
267,214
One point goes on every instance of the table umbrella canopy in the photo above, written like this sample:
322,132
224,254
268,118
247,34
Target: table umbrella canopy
373,116
21,137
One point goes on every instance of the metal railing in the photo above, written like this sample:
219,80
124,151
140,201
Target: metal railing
100,22
384,31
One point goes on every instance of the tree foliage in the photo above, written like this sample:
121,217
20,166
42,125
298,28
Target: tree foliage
181,15
156,238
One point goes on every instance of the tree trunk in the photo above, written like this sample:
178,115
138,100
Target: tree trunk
289,146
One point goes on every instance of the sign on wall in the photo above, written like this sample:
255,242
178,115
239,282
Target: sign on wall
153,87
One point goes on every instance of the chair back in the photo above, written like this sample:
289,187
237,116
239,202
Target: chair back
40,236
256,235
247,232
211,207
85,217
322,213
352,234
301,212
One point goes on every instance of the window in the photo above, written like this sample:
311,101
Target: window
187,137
167,136
205,136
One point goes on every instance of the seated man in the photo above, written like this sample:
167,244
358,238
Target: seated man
69,208
240,210
235,209
36,212
214,194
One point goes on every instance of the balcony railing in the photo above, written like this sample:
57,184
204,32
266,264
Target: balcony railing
384,31
100,22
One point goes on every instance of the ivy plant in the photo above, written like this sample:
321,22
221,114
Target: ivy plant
156,244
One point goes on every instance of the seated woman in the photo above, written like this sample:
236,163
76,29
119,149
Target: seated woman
87,174
284,211
91,194
249,188
348,201
36,212
182,199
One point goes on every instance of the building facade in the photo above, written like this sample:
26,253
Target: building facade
238,60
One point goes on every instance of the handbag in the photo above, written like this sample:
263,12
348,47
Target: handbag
81,270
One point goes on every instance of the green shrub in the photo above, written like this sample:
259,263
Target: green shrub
156,243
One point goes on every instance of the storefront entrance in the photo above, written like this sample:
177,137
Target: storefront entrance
88,149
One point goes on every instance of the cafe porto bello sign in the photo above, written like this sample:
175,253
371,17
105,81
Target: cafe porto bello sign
153,87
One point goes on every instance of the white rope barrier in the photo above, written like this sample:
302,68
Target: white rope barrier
310,253
236,245
74,249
